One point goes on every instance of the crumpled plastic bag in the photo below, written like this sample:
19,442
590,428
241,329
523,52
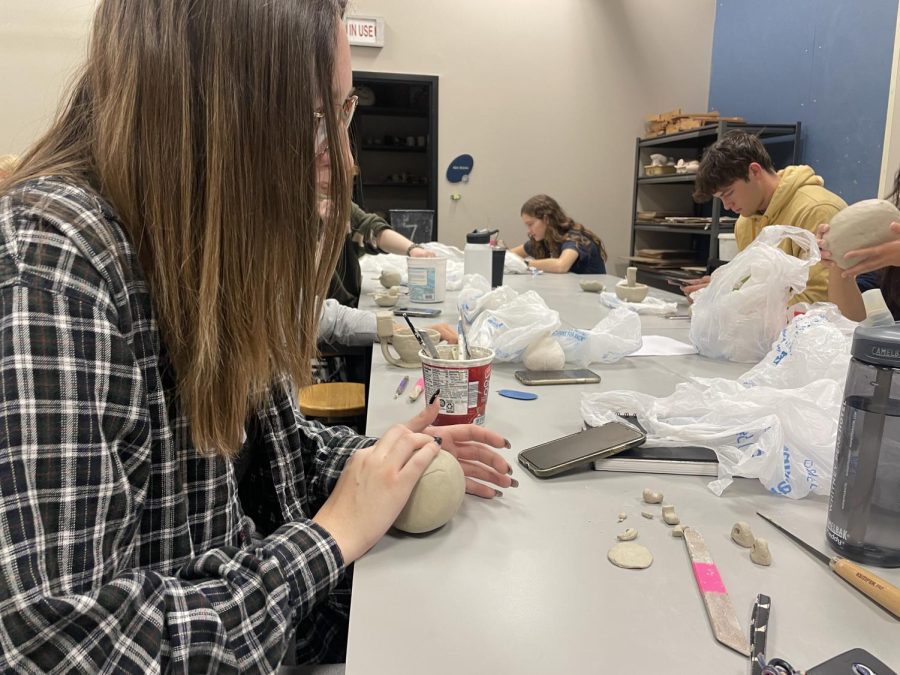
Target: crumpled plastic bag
650,306
512,326
744,307
513,264
777,422
614,337
509,322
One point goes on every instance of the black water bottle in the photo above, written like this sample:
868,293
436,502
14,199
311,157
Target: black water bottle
864,508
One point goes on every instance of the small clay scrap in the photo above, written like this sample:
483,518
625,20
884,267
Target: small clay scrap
678,531
760,553
651,497
630,556
647,515
668,514
627,535
742,535
622,516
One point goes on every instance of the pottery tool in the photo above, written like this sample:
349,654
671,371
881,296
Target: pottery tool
719,608
875,588
417,390
402,386
759,631
516,394
463,341
422,339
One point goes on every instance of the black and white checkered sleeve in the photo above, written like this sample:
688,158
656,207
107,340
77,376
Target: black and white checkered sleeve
75,452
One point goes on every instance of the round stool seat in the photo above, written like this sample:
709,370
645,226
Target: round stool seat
333,399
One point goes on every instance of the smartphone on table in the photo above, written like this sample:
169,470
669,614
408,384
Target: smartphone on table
578,449
417,311
540,377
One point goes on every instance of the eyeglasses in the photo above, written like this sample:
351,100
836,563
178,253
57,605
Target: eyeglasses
348,107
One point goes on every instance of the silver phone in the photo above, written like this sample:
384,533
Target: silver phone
569,452
537,377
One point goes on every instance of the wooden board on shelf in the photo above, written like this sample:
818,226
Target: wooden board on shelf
664,253
675,121
658,263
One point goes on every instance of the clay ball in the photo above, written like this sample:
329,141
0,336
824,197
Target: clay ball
591,285
544,354
389,278
436,497
860,225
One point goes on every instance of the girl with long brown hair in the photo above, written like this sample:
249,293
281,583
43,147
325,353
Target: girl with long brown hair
556,243
878,265
163,261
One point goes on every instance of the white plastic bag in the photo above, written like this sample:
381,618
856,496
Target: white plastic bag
616,336
649,306
513,264
508,323
744,307
777,422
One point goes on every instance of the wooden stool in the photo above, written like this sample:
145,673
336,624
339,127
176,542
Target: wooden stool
333,400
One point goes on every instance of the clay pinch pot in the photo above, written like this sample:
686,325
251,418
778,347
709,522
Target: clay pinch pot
407,347
629,290
385,299
591,285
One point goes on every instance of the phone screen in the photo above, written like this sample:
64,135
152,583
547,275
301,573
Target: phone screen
580,448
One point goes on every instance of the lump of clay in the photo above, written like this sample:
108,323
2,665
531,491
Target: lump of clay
622,516
678,531
630,556
627,535
436,497
651,497
389,278
760,552
669,516
385,299
742,535
591,285
544,354
647,515
860,225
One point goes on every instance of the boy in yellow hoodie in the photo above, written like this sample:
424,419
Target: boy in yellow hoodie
738,170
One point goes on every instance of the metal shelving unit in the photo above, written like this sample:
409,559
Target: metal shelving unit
673,192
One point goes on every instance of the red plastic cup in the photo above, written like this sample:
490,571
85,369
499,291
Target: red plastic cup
464,384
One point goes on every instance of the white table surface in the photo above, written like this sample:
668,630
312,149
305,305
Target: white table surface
522,584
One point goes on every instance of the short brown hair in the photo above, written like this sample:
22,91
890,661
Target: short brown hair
728,160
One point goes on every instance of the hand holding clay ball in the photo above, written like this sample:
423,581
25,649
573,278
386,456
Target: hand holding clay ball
436,497
863,237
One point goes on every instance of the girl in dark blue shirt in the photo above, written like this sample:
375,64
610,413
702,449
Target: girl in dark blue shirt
556,243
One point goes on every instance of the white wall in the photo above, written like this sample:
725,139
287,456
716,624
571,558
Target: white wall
42,43
547,96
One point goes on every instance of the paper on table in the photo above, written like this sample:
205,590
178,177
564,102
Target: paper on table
660,345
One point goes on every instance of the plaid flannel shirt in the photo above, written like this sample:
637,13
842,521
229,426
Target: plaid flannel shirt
121,547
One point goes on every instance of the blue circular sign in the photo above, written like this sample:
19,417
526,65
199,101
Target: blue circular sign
460,168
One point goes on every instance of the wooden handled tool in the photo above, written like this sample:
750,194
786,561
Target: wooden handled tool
874,587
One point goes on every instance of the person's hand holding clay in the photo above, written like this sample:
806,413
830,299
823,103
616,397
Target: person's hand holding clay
864,259
446,332
469,443
374,487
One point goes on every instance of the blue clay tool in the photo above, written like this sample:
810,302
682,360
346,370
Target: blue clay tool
520,395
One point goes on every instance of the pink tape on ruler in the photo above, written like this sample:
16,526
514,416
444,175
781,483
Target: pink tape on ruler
708,579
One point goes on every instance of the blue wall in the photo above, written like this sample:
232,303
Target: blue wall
826,63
